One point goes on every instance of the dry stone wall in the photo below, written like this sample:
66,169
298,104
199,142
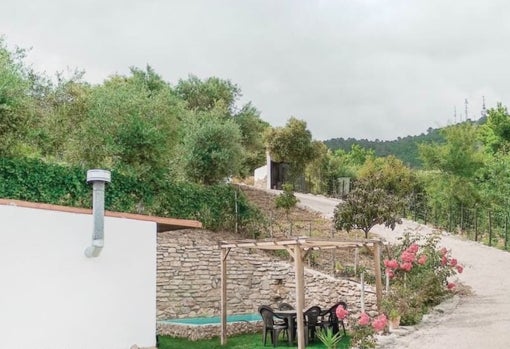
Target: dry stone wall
207,331
188,279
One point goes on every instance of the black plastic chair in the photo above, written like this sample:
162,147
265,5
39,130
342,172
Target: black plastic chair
272,325
330,320
312,315
285,306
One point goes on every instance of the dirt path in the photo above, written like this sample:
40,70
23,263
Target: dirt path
481,320
478,321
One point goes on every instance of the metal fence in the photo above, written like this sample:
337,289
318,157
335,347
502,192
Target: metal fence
477,223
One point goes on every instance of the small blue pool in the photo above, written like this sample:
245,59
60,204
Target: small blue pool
213,320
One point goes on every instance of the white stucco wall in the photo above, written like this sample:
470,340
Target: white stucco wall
52,296
260,177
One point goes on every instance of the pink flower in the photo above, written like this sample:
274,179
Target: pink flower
341,313
380,323
392,264
364,319
413,248
460,268
451,285
423,259
408,256
444,261
406,266
390,273
443,251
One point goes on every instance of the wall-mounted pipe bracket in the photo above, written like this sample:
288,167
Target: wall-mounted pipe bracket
98,178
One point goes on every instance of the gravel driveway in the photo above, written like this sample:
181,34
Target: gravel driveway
481,320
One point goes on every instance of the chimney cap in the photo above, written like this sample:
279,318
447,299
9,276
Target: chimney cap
99,175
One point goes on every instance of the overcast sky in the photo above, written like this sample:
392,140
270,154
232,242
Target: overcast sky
376,69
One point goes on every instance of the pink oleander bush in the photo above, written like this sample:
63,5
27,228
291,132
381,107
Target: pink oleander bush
418,270
364,329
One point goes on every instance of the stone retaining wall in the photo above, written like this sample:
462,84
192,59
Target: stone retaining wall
207,331
188,279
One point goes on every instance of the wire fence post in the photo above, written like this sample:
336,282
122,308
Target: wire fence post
490,228
476,223
356,260
450,219
506,231
271,224
237,211
333,253
461,218
362,292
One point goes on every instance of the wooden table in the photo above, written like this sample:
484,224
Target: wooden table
290,315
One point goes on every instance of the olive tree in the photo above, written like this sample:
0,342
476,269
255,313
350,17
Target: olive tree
15,100
130,125
366,206
291,144
211,150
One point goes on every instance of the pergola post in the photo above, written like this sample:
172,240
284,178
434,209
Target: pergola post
223,301
300,294
377,271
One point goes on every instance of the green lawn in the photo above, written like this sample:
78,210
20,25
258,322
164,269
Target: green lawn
248,341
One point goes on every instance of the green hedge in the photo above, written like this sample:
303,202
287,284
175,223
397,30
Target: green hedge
37,181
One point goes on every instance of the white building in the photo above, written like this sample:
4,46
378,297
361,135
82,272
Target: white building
53,296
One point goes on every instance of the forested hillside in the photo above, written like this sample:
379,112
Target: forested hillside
403,148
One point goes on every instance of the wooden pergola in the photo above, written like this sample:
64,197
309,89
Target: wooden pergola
298,248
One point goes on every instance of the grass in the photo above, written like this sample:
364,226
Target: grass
247,341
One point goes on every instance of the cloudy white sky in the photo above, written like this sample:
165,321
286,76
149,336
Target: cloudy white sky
375,69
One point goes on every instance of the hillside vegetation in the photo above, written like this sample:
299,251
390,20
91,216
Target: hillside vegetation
403,148
177,146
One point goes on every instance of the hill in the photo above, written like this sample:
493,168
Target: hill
406,149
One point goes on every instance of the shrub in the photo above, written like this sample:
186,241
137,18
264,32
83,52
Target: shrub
365,328
419,273
37,181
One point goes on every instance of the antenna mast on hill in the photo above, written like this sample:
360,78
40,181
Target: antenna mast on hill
466,107
484,110
454,115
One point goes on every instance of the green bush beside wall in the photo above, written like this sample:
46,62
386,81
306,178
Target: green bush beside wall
37,181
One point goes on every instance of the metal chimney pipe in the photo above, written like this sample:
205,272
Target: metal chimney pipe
98,178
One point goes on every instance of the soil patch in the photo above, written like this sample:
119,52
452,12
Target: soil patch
303,222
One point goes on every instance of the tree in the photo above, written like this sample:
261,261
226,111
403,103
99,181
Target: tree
495,133
286,200
318,172
252,129
129,127
218,97
61,108
493,182
366,206
461,155
16,104
454,166
211,93
211,149
390,174
291,144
